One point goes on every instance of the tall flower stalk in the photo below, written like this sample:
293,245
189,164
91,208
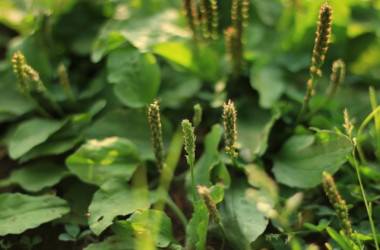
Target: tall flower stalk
230,129
337,202
31,86
234,35
154,119
189,145
203,18
321,45
348,126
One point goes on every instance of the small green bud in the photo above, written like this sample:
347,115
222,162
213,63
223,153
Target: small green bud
198,112
154,119
338,73
64,80
189,142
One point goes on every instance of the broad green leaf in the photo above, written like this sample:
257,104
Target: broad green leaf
177,88
113,243
178,52
196,230
255,126
195,60
242,221
303,158
97,161
114,198
145,33
52,147
34,177
150,228
19,212
31,133
269,82
131,124
105,43
136,76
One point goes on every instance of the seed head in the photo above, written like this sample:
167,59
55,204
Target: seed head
230,128
189,141
240,13
337,202
33,79
338,72
192,16
18,62
204,193
155,126
322,39
348,126
214,22
234,37
234,48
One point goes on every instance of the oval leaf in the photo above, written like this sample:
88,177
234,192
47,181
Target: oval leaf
114,198
99,160
35,177
303,158
20,212
136,76
243,222
30,134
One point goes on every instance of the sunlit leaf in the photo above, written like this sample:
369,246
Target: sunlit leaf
97,161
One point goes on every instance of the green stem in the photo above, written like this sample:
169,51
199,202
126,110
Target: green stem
364,124
193,188
167,173
178,212
364,196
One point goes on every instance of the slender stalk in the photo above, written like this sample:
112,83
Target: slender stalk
189,143
172,159
366,203
321,45
177,211
349,127
364,124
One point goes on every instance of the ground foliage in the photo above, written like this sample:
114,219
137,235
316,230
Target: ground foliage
78,167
